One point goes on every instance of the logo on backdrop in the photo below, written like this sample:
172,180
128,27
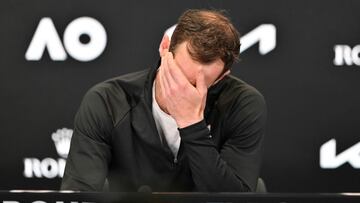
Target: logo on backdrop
346,56
62,139
264,34
329,159
50,167
84,40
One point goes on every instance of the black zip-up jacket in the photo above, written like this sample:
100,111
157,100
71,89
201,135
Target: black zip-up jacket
115,138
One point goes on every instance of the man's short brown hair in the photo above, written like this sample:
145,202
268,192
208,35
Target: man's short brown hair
210,35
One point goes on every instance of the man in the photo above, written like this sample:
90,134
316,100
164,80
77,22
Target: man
186,125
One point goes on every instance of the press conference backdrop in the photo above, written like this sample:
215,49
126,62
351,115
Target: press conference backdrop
302,55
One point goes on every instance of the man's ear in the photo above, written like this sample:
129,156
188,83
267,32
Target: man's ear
164,45
222,76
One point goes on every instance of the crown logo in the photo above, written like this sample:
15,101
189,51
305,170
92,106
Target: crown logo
62,139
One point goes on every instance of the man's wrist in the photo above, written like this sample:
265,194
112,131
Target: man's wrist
184,124
196,134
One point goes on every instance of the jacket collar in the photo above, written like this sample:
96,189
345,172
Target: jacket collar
149,83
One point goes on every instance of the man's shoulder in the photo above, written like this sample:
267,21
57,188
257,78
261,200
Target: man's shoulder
244,106
236,96
117,95
127,85
236,88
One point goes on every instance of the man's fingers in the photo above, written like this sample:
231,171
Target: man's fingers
168,76
163,72
164,85
175,71
164,45
163,61
201,84
161,83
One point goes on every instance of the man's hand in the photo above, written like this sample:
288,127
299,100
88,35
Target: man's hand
184,102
